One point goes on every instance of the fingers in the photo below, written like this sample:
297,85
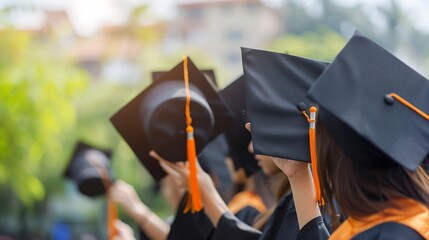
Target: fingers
169,170
177,167
248,127
125,232
153,154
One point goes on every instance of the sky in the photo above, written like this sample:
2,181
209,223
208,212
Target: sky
88,16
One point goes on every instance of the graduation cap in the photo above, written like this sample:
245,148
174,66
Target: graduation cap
155,118
86,168
374,105
160,119
208,73
276,87
238,137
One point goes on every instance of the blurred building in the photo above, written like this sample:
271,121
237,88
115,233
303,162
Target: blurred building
221,27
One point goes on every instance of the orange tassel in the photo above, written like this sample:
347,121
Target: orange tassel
194,203
112,210
313,155
112,215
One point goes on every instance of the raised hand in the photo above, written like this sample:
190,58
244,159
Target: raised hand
180,172
214,206
126,196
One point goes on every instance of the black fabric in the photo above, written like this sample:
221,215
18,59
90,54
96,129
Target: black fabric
276,84
155,119
212,160
198,226
247,214
389,231
283,224
82,170
142,235
370,128
190,225
230,227
314,230
237,135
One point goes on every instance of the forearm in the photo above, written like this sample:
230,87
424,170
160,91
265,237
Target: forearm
304,197
214,206
151,224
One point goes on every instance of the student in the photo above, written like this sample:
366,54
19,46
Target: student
152,120
280,187
284,223
282,119
250,196
89,168
372,137
151,225
155,119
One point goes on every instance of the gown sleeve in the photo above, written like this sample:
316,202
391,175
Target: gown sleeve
190,225
247,214
314,230
230,227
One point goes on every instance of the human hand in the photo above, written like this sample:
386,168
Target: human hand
126,196
125,232
180,173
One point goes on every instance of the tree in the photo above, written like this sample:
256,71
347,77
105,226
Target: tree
36,114
321,45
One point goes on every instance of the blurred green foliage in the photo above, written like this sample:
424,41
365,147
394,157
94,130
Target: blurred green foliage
36,113
322,45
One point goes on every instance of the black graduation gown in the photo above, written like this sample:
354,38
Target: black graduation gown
315,230
190,225
247,214
198,226
283,224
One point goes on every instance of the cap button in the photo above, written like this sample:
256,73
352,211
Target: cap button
389,99
302,106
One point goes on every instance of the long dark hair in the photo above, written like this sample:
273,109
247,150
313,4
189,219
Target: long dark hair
360,190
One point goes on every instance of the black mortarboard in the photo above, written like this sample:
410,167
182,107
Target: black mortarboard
370,125
237,135
208,73
155,119
82,169
276,86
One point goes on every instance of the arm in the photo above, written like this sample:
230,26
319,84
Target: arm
214,206
226,224
310,221
152,225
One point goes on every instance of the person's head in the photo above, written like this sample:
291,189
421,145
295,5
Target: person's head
268,167
361,190
373,129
